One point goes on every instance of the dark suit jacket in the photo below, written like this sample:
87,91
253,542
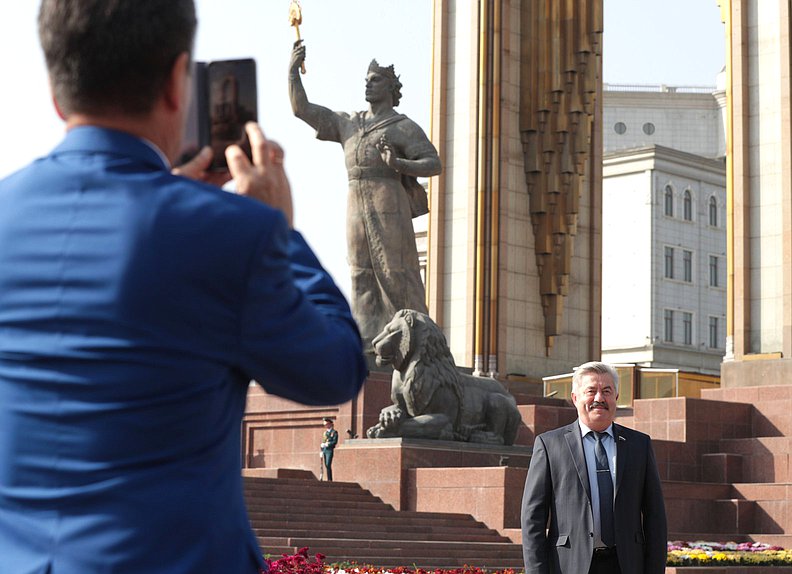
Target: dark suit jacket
135,308
557,520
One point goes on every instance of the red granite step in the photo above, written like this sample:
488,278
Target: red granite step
325,507
306,504
385,520
729,510
773,513
729,517
344,491
695,490
367,532
764,460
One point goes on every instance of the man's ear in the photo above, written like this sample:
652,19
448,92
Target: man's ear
178,83
55,103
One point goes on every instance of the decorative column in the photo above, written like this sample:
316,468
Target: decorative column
514,244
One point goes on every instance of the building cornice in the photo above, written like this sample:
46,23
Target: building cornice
661,158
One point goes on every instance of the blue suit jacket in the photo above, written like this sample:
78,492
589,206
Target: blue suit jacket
135,307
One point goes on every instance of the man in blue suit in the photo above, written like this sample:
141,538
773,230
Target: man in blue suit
136,306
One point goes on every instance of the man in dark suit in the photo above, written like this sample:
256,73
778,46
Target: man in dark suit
593,501
136,306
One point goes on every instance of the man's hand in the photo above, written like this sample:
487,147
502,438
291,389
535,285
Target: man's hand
197,168
264,179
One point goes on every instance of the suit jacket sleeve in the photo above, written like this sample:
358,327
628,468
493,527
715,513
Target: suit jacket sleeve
654,518
298,338
536,503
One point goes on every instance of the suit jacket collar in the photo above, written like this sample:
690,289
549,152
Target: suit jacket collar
93,139
622,446
574,439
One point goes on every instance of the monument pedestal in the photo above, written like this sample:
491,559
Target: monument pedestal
387,467
755,370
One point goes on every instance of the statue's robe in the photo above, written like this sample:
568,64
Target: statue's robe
382,256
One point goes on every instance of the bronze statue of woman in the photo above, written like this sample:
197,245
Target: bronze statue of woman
384,151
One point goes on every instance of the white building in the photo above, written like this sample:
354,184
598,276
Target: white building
664,228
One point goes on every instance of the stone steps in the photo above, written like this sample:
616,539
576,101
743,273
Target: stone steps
379,510
705,507
773,506
311,530
762,459
347,523
433,519
371,527
729,509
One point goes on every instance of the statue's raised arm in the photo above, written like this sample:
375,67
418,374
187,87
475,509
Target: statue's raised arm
302,108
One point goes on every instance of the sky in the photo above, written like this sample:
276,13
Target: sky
674,42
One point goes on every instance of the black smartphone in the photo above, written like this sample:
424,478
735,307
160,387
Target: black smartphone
224,99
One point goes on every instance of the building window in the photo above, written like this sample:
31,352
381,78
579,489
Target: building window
687,265
648,128
668,201
713,212
713,333
687,206
687,328
620,128
669,262
713,270
668,326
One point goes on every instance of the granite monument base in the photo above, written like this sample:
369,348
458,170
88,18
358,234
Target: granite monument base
392,468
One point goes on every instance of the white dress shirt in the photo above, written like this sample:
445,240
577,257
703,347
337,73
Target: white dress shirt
609,444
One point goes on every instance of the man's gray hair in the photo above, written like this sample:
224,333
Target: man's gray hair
598,368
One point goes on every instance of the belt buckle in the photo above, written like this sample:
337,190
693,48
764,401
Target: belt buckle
604,552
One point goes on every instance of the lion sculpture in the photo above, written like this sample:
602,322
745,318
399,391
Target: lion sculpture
431,398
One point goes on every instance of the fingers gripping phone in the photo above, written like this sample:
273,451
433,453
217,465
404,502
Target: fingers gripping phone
224,99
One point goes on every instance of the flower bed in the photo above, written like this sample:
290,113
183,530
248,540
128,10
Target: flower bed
727,554
680,554
301,563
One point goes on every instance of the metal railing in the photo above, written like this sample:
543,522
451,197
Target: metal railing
659,88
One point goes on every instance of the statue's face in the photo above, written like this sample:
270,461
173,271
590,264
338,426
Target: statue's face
390,345
378,88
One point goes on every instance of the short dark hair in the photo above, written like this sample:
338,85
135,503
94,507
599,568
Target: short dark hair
105,55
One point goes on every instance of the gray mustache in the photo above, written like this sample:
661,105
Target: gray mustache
598,404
